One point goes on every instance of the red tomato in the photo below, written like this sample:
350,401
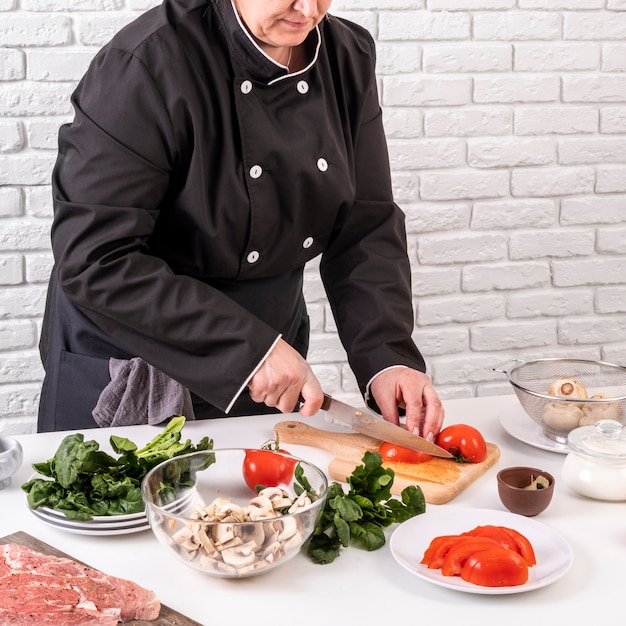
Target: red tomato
437,550
523,546
398,454
464,548
464,442
266,468
496,567
497,533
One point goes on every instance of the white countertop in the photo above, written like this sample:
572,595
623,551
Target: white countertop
368,588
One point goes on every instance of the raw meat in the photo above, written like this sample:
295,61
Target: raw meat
38,589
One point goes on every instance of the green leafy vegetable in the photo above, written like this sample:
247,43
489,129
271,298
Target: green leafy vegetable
361,515
86,481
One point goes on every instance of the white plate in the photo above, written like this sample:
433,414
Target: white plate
90,528
522,428
410,540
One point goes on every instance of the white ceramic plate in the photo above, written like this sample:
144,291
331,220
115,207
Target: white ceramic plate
410,540
522,428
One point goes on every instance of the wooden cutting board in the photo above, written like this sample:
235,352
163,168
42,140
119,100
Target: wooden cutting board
440,479
167,617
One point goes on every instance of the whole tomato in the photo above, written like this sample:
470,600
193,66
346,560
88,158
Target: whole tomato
399,454
464,442
267,468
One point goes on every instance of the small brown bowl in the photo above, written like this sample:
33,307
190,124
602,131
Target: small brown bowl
517,498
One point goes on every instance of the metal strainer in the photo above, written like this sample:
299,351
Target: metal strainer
531,379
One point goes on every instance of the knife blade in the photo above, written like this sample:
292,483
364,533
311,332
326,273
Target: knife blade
338,412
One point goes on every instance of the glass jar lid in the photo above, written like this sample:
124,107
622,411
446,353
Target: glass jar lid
605,440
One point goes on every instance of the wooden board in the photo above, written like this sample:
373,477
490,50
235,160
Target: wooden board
167,617
440,479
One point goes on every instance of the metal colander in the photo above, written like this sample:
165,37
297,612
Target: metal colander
531,379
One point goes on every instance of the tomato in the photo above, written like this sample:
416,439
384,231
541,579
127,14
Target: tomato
464,548
494,532
522,546
266,468
437,550
464,442
507,538
495,567
399,454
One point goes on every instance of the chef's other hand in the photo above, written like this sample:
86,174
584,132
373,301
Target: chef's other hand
412,390
283,379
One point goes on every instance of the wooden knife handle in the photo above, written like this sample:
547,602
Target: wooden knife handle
344,445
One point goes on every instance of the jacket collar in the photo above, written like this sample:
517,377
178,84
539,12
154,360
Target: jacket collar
246,54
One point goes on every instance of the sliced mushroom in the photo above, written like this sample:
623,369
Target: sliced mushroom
301,502
260,508
561,416
288,527
245,554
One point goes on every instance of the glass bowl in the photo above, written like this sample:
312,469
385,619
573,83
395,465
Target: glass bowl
202,510
563,394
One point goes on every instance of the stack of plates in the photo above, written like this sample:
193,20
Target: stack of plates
105,524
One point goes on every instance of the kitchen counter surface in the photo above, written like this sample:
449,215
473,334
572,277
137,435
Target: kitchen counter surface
360,587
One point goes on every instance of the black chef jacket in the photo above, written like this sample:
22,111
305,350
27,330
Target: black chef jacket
196,180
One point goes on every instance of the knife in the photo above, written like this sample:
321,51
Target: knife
369,424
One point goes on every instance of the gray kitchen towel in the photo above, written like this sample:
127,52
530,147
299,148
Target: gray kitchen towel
140,394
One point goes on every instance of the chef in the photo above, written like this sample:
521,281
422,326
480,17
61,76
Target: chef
217,147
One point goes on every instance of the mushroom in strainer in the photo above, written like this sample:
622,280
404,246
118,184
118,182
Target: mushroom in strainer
568,388
561,416
600,410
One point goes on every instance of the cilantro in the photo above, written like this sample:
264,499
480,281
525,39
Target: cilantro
360,515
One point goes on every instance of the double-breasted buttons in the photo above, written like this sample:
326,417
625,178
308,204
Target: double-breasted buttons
246,87
307,243
302,86
253,256
322,164
256,171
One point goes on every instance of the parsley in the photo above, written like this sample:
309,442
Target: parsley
361,515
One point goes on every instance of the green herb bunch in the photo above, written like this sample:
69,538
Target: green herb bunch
361,515
83,481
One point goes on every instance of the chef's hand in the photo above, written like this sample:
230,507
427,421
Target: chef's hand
412,390
283,379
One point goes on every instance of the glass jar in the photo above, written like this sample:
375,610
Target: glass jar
596,465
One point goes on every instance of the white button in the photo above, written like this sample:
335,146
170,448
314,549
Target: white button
308,242
322,164
246,86
302,86
256,171
253,257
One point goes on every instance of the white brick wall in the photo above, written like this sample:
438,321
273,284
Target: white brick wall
506,122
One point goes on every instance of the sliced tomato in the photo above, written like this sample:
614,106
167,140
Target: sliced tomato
437,550
399,454
495,567
494,532
522,545
464,548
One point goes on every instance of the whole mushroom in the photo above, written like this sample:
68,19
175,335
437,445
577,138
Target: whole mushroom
561,416
568,388
592,412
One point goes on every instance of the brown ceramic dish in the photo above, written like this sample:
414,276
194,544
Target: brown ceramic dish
513,483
